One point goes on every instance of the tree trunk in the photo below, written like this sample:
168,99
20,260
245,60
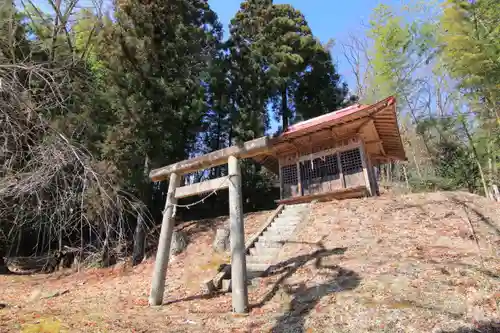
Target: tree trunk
140,230
105,254
491,173
476,156
405,173
3,267
284,109
37,247
19,240
139,241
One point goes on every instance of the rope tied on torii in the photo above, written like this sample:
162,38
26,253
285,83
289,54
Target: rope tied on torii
202,200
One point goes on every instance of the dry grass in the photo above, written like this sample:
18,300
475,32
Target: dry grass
389,264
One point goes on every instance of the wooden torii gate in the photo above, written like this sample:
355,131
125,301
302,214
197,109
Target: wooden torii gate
231,156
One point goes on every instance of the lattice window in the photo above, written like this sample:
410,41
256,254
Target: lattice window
289,174
351,161
321,167
310,171
330,165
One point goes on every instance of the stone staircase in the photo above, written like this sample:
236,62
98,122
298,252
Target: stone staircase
264,251
263,247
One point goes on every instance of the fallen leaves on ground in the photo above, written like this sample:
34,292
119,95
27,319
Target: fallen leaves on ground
411,263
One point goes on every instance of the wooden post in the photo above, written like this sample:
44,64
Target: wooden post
299,178
163,252
238,259
366,173
374,177
341,172
371,172
281,179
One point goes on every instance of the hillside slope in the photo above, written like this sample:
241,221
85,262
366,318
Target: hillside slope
414,263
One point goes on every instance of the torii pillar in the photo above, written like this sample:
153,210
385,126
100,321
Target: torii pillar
230,156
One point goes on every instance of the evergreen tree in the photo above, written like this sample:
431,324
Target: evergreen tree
290,65
157,56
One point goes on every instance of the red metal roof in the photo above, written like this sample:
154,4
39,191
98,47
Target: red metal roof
332,116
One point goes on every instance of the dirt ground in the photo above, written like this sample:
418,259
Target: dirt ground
412,263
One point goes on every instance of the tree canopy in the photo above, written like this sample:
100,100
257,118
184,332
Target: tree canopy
150,84
91,101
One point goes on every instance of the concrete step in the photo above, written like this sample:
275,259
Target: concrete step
284,224
279,232
295,208
300,204
260,259
276,238
291,212
257,267
286,221
291,219
264,245
297,215
264,251
281,229
272,234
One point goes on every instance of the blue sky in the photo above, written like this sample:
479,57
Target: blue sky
327,19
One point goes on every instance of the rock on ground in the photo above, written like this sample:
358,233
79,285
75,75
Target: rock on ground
221,240
179,243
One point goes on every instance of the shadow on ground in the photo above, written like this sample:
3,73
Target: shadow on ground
482,218
481,327
469,209
305,298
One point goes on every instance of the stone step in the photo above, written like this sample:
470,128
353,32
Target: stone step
276,238
299,204
295,208
226,285
285,220
272,234
292,212
279,232
284,225
305,204
264,251
281,229
260,259
274,245
288,220
257,267
290,215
